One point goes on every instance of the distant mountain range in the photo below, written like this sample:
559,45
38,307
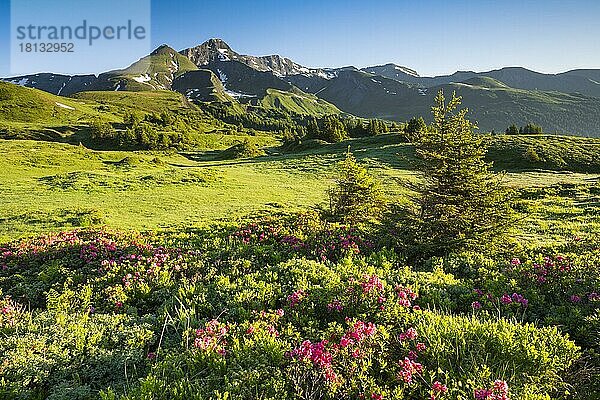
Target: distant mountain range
568,102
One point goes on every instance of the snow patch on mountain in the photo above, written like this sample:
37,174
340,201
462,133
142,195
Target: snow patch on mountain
223,56
238,95
20,82
222,76
407,71
61,105
142,78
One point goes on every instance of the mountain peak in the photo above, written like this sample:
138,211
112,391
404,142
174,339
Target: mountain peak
163,49
215,50
392,70
212,50
216,43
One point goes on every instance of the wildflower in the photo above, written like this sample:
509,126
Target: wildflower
505,299
376,396
280,312
421,347
476,305
409,368
272,331
482,394
335,305
296,297
250,330
498,391
500,386
438,387
330,375
371,283
151,356
517,298
314,352
211,338
515,261
359,332
575,299
410,334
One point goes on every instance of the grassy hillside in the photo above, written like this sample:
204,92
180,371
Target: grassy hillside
153,72
120,102
24,105
493,107
298,103
545,152
49,186
32,114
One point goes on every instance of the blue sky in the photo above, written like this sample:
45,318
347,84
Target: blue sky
433,37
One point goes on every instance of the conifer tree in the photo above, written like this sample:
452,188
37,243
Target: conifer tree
461,203
357,196
414,127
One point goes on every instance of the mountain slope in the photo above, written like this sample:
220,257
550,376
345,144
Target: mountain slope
214,72
298,103
244,81
201,85
22,105
359,93
586,82
495,106
64,85
153,72
214,50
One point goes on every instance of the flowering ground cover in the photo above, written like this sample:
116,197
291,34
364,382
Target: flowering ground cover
291,307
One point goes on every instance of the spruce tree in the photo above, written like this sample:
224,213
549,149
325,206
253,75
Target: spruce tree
414,127
460,204
357,196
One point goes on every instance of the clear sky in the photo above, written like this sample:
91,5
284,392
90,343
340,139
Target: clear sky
432,36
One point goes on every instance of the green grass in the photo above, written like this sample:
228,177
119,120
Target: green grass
23,107
299,103
27,113
140,102
558,153
50,186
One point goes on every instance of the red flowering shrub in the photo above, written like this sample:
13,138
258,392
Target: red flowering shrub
212,338
305,235
498,391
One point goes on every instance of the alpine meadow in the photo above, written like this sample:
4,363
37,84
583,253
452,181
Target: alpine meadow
207,224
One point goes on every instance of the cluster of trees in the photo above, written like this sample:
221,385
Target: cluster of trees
527,129
334,128
293,127
459,202
253,118
146,133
